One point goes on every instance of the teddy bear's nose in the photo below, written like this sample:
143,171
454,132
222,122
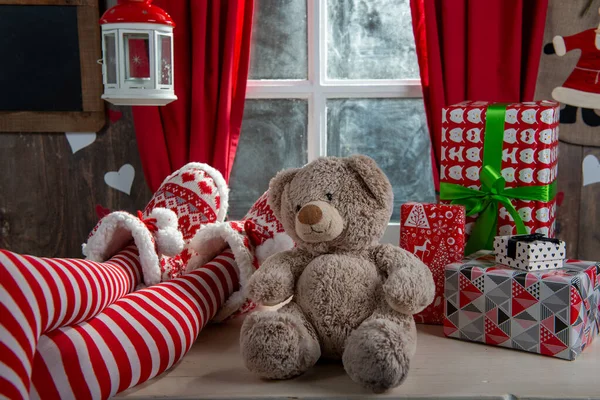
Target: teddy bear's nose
310,214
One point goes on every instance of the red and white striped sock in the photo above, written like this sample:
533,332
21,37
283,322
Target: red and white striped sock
38,295
136,338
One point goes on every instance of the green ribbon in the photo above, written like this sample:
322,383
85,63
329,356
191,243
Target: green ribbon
486,201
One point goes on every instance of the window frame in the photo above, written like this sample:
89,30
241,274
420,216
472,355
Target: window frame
317,89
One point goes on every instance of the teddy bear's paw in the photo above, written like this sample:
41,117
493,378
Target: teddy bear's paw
409,290
276,345
270,287
376,356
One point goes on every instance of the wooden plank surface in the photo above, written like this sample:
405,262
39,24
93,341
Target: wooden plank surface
48,2
569,183
90,50
442,368
68,121
48,194
589,218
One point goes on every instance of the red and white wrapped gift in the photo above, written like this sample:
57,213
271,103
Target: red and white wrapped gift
505,155
435,234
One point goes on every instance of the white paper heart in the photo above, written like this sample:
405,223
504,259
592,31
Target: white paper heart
80,140
121,180
591,170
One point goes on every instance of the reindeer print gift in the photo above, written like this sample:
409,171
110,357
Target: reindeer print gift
523,156
435,234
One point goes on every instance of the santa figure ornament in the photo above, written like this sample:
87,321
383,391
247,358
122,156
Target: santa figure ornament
582,88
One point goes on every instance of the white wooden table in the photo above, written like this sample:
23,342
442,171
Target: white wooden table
442,368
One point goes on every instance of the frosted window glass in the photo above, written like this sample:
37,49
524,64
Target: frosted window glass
110,49
279,40
391,131
273,138
370,39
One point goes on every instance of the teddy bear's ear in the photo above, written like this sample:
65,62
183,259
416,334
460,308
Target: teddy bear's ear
276,187
374,179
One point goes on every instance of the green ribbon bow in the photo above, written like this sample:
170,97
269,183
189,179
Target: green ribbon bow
485,202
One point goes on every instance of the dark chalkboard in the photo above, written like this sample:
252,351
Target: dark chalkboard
40,61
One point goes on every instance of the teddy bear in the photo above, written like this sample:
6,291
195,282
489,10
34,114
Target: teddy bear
351,297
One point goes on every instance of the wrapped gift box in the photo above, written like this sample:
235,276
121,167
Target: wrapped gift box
524,153
435,234
530,252
529,247
554,313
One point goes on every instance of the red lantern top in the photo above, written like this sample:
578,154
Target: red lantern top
140,11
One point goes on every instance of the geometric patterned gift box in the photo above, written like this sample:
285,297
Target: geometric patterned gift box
554,313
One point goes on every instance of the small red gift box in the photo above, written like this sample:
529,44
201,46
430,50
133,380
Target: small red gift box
436,234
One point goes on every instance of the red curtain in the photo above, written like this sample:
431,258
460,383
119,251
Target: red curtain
211,50
476,50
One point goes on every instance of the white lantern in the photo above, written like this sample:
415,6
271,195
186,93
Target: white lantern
137,54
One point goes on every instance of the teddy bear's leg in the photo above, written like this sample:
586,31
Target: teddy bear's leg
377,354
279,344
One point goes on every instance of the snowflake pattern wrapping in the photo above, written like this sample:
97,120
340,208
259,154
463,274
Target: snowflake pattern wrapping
529,157
435,234
554,313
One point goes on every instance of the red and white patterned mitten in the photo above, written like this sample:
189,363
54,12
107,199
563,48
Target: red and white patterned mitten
252,240
190,197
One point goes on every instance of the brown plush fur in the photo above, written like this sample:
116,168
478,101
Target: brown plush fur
353,299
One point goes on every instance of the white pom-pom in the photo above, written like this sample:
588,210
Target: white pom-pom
169,239
165,218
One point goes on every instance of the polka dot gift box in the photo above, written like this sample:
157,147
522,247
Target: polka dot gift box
530,252
435,234
500,162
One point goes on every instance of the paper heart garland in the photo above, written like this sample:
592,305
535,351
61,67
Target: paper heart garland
591,170
122,179
80,140
114,115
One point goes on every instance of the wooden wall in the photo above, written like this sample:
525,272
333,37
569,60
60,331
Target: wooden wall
578,221
48,194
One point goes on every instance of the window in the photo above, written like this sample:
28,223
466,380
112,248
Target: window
333,77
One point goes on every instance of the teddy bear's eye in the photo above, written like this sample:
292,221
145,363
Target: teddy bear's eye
329,196
298,208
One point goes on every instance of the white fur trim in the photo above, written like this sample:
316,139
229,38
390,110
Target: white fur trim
222,187
576,98
559,45
115,231
208,242
279,243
